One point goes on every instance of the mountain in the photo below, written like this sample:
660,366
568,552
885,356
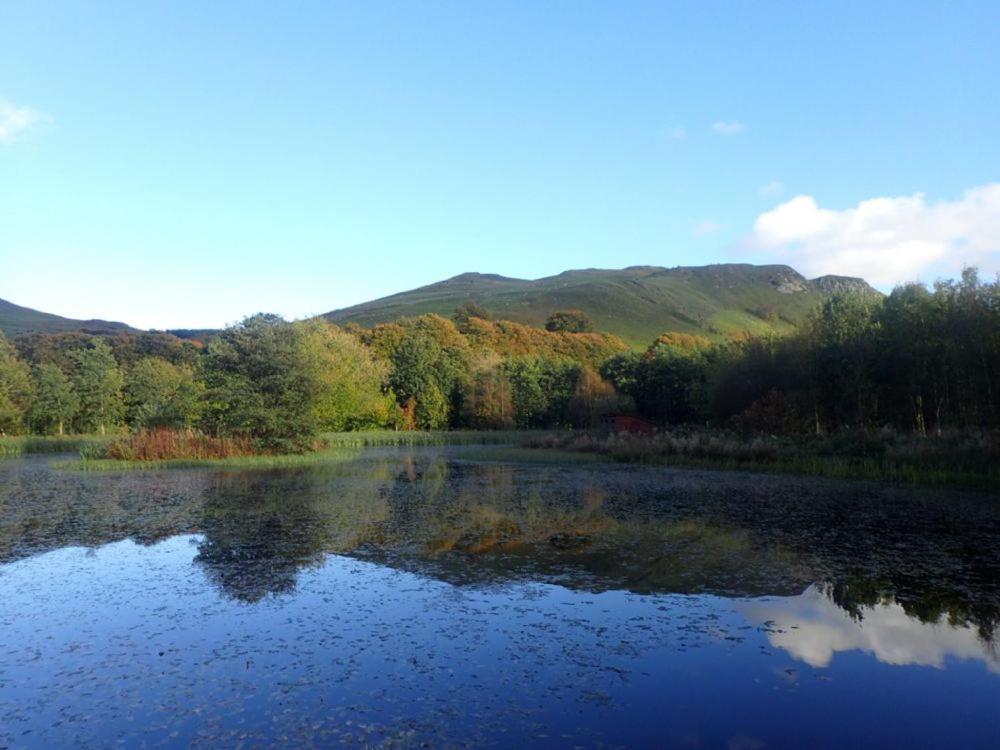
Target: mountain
15,320
637,303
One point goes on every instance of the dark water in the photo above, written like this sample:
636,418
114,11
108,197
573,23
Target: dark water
423,598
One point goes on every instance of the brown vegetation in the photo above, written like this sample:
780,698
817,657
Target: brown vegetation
165,444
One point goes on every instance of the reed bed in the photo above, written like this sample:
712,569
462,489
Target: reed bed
19,445
166,445
377,438
963,459
259,462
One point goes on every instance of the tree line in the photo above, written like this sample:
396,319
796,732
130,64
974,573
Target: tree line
282,383
920,359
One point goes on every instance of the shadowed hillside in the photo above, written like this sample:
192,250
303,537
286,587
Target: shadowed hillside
637,303
15,320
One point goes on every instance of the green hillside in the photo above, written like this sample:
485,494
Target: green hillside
637,303
15,320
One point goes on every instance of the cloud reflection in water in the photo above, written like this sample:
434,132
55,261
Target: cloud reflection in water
812,628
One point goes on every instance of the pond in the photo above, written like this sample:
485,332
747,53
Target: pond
458,597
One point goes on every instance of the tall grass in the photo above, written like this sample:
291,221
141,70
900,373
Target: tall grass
970,459
18,445
285,461
164,445
164,448
439,437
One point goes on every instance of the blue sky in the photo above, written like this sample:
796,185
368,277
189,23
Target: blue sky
185,164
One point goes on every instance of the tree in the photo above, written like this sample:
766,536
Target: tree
429,361
529,399
55,401
569,321
415,378
98,382
468,310
622,371
592,399
843,334
354,392
15,389
488,403
261,382
161,394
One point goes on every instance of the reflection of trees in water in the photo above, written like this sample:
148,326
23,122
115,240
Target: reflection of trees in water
261,528
42,510
813,627
595,528
927,603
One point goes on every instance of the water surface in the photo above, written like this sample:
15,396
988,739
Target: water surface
427,597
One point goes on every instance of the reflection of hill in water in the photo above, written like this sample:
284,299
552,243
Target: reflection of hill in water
594,528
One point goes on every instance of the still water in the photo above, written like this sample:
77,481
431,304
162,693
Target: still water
454,597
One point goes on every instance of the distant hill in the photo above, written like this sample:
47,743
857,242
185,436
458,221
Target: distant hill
637,303
15,320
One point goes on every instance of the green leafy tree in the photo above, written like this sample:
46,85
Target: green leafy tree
354,392
98,382
529,398
558,379
15,389
843,334
622,371
415,378
55,402
262,382
161,394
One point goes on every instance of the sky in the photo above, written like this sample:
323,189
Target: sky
185,164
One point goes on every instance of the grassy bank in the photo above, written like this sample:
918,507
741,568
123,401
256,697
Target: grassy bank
23,444
437,437
179,449
285,461
967,460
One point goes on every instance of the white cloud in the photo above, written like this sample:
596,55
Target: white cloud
15,119
774,187
733,127
705,228
885,240
813,629
677,133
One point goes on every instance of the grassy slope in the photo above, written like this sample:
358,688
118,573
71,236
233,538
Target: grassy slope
15,320
636,303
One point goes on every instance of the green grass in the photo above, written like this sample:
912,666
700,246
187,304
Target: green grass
965,460
22,444
637,304
287,461
336,446
376,438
